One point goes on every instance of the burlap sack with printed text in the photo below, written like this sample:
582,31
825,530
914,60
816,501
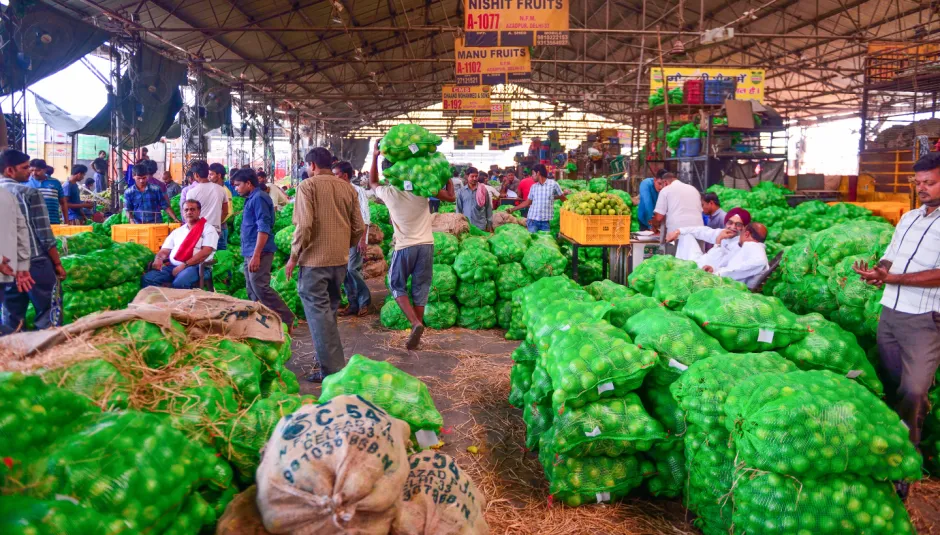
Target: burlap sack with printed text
439,499
333,468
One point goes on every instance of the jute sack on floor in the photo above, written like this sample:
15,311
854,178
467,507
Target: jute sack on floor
439,499
333,468
504,218
455,224
241,516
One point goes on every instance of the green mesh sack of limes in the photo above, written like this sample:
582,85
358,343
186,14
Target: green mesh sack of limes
562,315
406,140
509,247
503,313
86,242
660,404
589,362
446,247
538,420
669,459
548,290
829,347
96,379
423,176
79,303
643,278
813,423
541,261
440,314
811,294
238,362
673,288
580,481
475,265
443,283
520,380
378,213
607,289
847,286
142,339
477,318
22,515
287,289
517,328
283,238
710,464
479,243
403,396
678,341
701,390
476,294
765,502
518,231
611,427
743,321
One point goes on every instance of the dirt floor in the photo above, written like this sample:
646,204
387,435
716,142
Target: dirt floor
467,373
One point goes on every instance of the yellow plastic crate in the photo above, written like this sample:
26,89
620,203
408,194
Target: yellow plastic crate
596,229
68,230
149,235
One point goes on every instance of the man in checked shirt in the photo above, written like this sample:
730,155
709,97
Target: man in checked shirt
909,327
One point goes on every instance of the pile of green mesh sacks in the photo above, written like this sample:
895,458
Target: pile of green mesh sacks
417,166
142,428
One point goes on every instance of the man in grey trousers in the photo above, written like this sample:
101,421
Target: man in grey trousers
327,224
257,244
357,291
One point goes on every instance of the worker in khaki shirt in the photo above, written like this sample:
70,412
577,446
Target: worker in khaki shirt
327,224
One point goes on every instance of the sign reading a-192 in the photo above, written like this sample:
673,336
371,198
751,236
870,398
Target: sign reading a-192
502,23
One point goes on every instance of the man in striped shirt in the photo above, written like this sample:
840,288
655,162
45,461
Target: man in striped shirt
50,188
909,326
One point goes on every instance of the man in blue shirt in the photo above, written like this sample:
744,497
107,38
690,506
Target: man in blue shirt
73,195
100,167
144,201
649,194
50,188
258,246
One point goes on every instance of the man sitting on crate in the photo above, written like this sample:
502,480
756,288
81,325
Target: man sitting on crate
177,263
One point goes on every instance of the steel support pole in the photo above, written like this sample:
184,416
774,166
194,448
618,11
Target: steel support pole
117,134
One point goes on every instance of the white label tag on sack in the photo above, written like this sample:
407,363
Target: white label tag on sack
564,327
765,336
64,498
673,363
853,374
603,497
426,438
594,432
604,387
413,148
408,185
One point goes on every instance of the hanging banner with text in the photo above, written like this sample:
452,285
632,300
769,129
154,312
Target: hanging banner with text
491,66
500,23
468,138
499,116
750,81
465,100
504,139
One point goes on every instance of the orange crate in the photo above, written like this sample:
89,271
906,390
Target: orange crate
148,235
69,230
596,229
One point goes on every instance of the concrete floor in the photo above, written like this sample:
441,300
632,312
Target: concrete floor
467,373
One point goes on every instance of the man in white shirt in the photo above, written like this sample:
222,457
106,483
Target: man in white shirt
211,196
688,248
679,205
414,247
745,263
357,291
177,262
909,326
217,177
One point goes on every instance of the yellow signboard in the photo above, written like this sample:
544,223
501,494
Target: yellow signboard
504,139
465,100
499,23
468,138
491,66
499,116
750,81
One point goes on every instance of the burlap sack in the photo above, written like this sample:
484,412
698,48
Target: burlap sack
504,218
241,516
455,224
333,468
439,499
375,269
373,253
376,236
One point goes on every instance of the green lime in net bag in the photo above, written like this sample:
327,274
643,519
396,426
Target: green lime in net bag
23,515
476,318
509,247
446,247
543,261
440,314
611,427
643,278
503,313
392,317
520,380
443,283
423,176
475,265
479,243
406,140
586,480
678,341
509,278
673,288
669,459
476,294
743,321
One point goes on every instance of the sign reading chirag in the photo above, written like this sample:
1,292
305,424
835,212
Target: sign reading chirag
513,23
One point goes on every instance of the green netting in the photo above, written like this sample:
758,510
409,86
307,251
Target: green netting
538,420
520,380
871,315
87,242
443,283
404,141
246,434
77,304
844,503
518,231
504,313
710,464
811,294
597,185
283,238
198,410
446,248
847,286
100,269
678,341
548,290
475,265
517,328
130,464
95,379
610,427
287,289
625,307
743,321
423,176
544,238
540,388
592,361
562,315
476,294
22,515
607,289
584,480
669,459
236,360
378,213
148,340
673,288
701,390
476,318
643,278
440,314
851,319
541,261
509,247
403,396
813,423
829,347
479,243
526,352
659,402
511,277
392,317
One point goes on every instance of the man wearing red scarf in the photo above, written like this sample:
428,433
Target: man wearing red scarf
177,262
